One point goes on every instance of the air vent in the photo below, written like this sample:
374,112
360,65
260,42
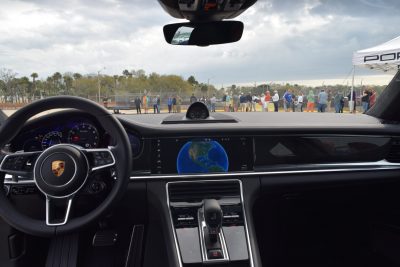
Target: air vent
394,153
189,192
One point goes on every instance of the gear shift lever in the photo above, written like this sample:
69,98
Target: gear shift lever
213,218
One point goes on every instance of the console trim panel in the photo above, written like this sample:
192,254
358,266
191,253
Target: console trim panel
251,260
202,225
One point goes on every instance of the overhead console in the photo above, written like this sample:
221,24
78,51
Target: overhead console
209,223
206,9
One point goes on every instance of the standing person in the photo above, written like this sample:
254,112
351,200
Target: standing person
288,100
235,102
227,102
248,102
242,101
337,102
231,104
294,103
148,99
138,102
285,103
169,103
365,101
372,99
300,100
254,100
341,104
193,99
329,104
174,104
178,104
275,99
268,100
223,100
145,103
264,107
322,101
158,104
213,101
155,106
310,101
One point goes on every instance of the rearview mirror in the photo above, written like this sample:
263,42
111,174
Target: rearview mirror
204,33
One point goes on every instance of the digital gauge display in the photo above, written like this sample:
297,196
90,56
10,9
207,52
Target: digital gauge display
51,139
84,135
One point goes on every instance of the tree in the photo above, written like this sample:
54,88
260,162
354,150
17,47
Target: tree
141,74
24,88
77,76
49,85
57,82
68,81
34,76
8,78
192,80
126,73
57,77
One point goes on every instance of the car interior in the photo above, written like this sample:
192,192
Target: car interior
84,187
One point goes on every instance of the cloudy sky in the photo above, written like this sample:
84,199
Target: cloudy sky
284,40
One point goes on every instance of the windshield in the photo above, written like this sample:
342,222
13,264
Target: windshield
294,56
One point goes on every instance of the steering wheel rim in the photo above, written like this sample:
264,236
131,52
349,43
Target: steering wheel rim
120,151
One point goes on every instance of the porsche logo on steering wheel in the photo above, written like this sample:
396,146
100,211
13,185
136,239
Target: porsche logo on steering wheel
58,167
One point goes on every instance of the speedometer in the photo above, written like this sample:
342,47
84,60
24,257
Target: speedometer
51,139
84,135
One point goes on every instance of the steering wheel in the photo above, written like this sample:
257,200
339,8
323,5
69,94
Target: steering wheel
61,171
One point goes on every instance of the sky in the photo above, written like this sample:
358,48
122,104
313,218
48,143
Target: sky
311,41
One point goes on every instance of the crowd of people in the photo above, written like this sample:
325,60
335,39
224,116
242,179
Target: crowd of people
368,99
323,101
148,103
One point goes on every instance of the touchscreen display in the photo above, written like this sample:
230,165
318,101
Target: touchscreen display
202,155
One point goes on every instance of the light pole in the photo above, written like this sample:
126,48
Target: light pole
98,82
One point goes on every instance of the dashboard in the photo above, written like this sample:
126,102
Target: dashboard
182,164
179,152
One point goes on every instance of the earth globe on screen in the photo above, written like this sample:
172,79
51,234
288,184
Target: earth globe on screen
202,157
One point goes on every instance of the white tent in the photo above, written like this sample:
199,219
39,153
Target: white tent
384,57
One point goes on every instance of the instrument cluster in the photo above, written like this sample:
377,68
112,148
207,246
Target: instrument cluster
78,132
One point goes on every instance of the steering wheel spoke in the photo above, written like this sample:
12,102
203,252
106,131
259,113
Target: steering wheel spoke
19,164
100,158
58,210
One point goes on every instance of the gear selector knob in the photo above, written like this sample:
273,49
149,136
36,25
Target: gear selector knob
212,217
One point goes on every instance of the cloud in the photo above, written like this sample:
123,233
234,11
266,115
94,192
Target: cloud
283,39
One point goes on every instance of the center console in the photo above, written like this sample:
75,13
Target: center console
209,223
